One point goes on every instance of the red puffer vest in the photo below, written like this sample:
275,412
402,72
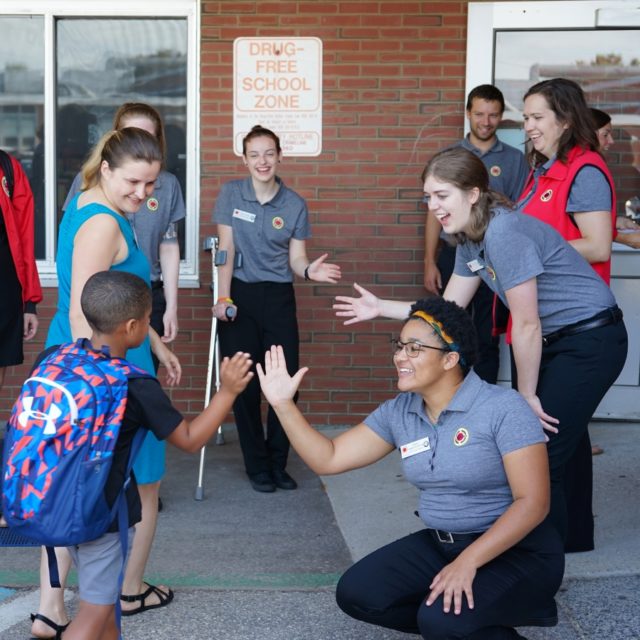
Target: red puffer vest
549,202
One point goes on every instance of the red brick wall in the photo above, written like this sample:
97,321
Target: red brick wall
393,94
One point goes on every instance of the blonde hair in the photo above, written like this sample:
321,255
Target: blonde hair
115,148
141,110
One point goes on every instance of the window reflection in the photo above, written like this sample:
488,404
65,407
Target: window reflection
102,63
606,64
22,105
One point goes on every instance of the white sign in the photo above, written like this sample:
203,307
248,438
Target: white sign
278,84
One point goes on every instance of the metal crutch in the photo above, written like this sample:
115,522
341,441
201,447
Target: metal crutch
218,258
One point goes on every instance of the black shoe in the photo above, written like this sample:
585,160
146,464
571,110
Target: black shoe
283,480
262,482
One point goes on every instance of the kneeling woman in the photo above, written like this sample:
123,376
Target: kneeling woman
487,560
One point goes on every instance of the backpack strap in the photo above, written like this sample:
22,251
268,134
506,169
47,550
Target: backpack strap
7,169
54,575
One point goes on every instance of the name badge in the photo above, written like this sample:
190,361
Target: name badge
417,446
244,215
475,265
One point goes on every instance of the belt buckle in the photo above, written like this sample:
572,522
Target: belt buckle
444,536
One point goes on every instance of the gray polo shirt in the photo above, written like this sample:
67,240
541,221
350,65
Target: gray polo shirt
155,222
262,232
507,167
517,247
460,472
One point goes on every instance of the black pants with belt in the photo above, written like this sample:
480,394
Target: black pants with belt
266,316
575,373
389,587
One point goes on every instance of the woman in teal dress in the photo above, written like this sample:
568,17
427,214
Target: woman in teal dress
95,235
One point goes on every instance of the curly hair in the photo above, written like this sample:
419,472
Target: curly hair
457,324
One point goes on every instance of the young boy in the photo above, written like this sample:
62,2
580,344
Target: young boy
117,306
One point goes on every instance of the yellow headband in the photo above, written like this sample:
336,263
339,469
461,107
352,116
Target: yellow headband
437,326
439,329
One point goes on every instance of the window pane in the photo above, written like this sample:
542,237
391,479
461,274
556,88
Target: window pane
21,104
104,62
606,64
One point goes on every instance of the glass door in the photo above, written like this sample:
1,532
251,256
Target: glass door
517,44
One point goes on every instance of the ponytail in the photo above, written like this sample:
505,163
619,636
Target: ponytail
117,147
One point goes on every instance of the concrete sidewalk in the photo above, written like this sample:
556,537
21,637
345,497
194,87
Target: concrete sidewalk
246,565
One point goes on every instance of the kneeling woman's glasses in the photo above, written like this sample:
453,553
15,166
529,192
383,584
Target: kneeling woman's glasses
411,348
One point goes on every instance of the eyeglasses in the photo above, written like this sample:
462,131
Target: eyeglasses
411,348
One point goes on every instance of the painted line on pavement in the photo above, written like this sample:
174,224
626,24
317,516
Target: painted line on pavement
294,581
280,581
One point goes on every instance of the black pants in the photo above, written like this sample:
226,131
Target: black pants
481,309
158,307
266,316
575,374
389,587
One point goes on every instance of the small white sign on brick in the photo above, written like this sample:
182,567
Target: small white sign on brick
278,84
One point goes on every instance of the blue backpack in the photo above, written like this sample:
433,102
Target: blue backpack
59,447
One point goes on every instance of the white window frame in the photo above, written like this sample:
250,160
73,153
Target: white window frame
485,17
189,9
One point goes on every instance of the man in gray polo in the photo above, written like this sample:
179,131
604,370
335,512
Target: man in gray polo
508,171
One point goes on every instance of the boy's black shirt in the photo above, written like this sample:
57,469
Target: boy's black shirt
148,407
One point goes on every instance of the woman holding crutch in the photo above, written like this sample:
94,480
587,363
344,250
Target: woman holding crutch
263,226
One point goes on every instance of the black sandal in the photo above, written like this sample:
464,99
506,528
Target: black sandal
164,600
58,628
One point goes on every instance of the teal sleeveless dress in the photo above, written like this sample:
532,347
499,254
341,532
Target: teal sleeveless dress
150,463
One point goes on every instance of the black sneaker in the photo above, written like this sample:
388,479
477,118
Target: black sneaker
283,480
262,482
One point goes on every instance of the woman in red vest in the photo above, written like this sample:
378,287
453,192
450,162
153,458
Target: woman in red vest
571,188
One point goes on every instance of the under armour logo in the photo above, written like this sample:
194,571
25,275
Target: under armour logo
48,418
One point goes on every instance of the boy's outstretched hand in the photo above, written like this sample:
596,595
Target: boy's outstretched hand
277,385
234,372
